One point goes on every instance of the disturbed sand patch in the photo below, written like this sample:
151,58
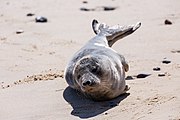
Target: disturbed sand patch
43,76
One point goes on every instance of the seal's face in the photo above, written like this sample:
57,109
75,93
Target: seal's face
90,73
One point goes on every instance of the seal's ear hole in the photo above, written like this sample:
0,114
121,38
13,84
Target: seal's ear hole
78,77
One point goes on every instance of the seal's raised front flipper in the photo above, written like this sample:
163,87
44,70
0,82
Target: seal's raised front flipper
115,32
124,63
127,87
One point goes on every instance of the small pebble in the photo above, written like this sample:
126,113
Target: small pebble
142,75
167,22
19,31
35,79
62,76
41,19
161,74
166,61
106,8
30,14
105,113
175,51
85,2
157,69
85,9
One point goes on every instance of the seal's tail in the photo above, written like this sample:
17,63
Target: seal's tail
113,33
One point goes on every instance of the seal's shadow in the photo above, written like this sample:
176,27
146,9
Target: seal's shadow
85,108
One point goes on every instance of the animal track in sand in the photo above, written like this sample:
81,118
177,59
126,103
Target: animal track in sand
43,76
149,104
158,99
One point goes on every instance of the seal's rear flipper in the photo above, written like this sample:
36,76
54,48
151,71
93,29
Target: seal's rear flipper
119,32
115,32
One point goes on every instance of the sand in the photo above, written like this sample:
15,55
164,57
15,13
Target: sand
33,57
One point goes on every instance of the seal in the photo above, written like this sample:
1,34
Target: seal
97,70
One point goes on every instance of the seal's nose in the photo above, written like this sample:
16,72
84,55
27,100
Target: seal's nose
87,82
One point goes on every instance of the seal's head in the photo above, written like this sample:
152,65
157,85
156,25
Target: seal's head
94,77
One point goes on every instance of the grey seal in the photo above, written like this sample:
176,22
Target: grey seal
97,70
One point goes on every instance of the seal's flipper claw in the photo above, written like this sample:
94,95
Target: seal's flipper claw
95,26
137,26
127,88
124,63
126,67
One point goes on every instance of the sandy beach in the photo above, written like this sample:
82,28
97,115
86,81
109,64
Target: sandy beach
33,57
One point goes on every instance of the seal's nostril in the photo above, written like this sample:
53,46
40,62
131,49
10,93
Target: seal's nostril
85,83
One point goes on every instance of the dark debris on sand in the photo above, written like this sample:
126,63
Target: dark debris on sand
166,61
156,68
41,19
167,22
101,8
30,14
142,75
161,74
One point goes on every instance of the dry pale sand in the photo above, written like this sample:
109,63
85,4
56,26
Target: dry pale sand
32,86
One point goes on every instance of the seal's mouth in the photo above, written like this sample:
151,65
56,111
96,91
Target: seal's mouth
88,85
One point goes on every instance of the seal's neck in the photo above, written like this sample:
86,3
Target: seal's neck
99,40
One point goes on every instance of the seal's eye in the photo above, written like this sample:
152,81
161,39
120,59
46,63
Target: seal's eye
94,69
